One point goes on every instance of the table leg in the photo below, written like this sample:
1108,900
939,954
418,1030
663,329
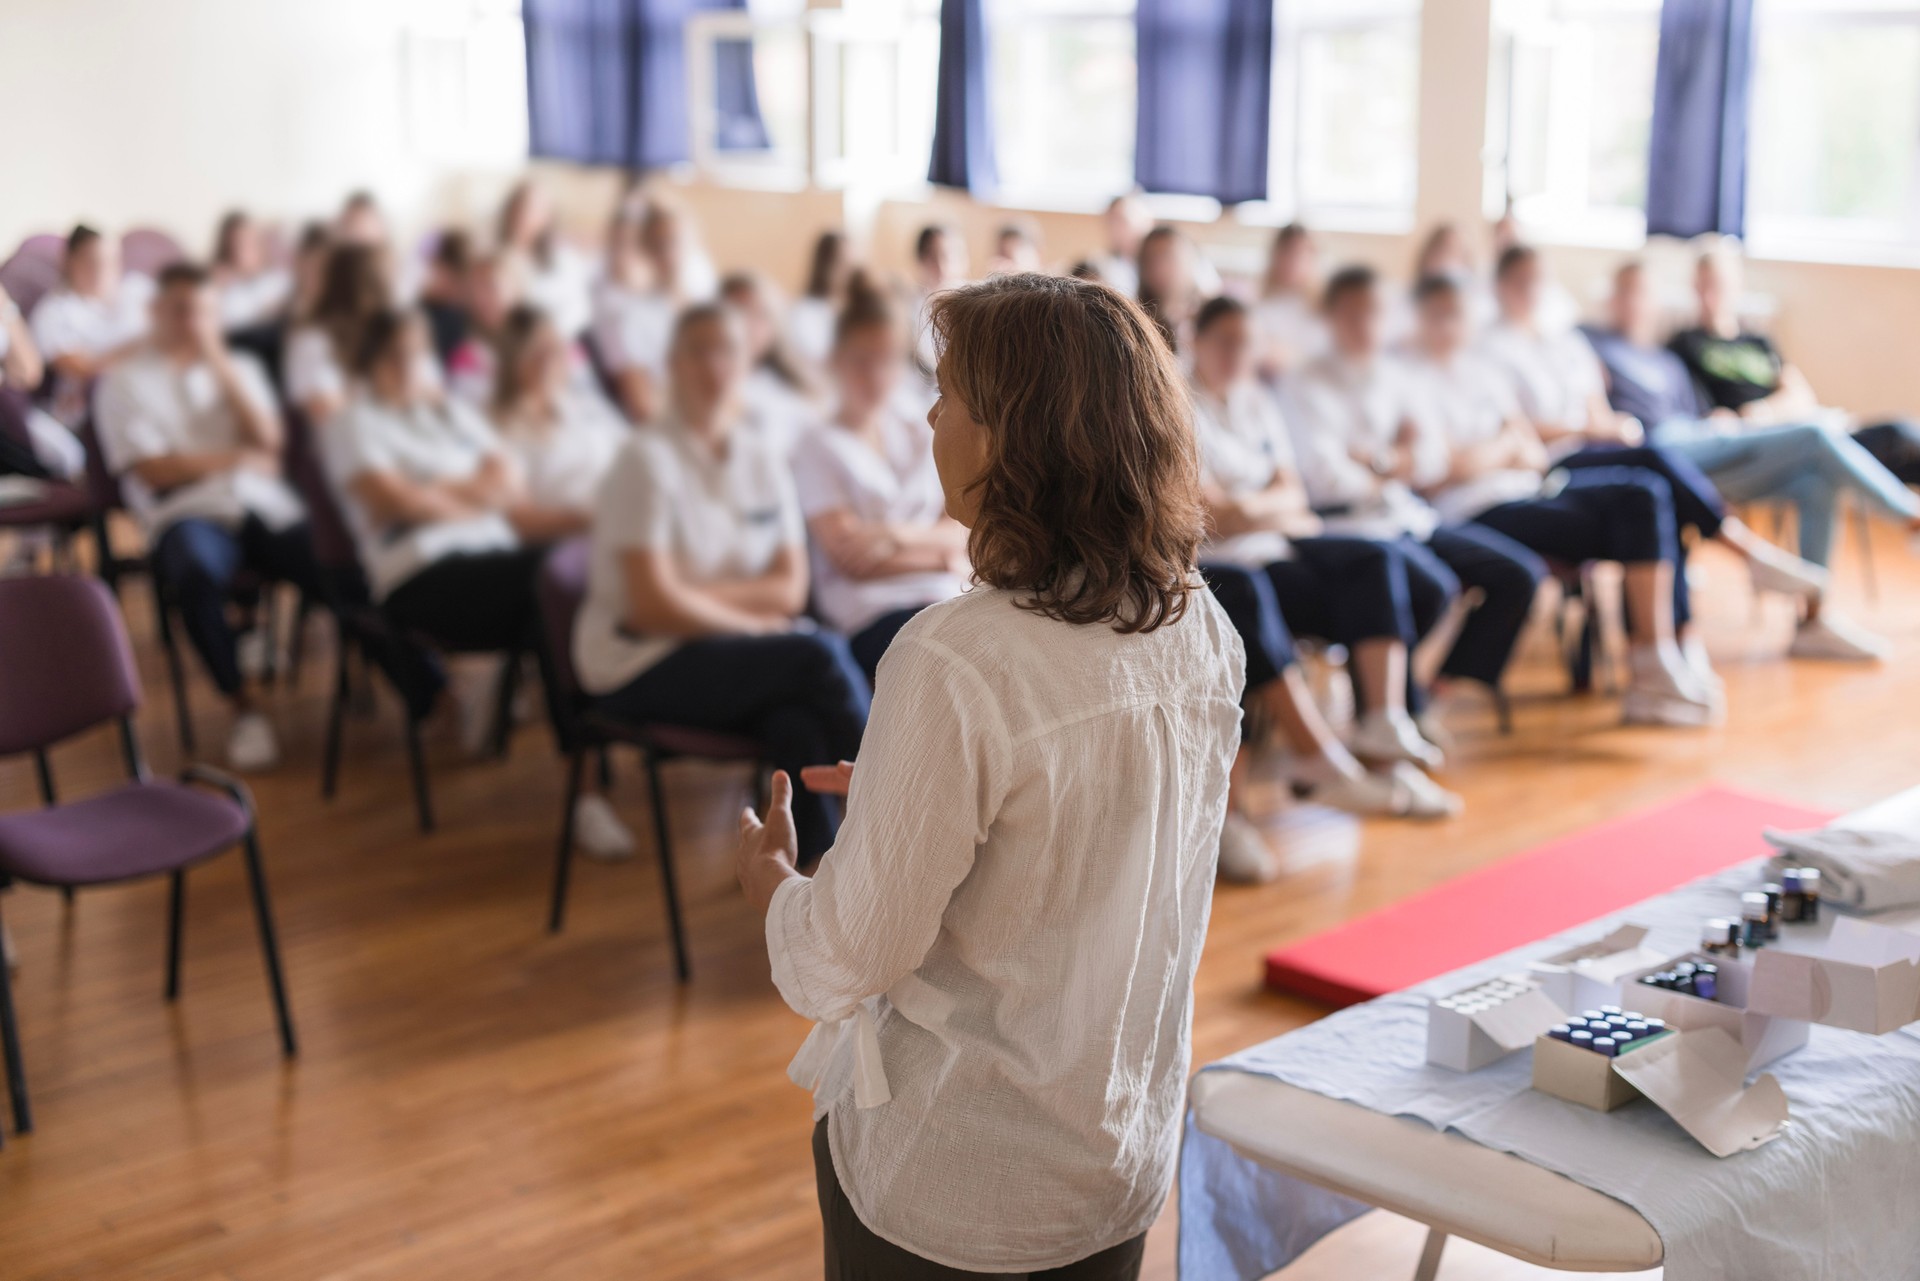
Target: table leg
1429,1267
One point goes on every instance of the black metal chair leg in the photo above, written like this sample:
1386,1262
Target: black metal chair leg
10,1048
297,640
663,841
176,673
269,943
176,911
1503,710
606,770
563,861
417,764
66,894
336,721
503,704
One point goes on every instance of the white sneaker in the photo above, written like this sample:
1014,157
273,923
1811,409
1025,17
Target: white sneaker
1834,638
1644,706
1401,791
598,830
1705,679
1774,570
251,745
1245,858
1393,736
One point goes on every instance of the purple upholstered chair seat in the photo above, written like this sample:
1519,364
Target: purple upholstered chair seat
132,831
58,504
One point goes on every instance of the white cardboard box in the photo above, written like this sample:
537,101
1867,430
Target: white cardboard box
1592,974
1764,1038
1864,977
1468,1042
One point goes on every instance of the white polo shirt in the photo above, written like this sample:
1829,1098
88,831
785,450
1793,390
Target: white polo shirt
810,325
562,287
721,517
1554,374
1341,411
633,329
1243,445
564,462
66,324
427,443
150,407
256,299
311,368
1292,325
836,470
1466,401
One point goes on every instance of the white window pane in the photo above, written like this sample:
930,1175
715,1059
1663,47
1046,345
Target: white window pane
1623,56
1359,101
1064,105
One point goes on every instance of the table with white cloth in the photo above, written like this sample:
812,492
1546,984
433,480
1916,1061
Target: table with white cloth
1295,1137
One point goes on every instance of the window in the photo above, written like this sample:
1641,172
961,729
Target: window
1836,125
1570,110
748,90
1063,99
464,83
874,65
1346,93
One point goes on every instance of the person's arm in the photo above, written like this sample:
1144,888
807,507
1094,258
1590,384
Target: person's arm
935,767
22,366
637,392
778,595
169,471
1281,505
661,602
1333,476
537,524
495,485
864,549
1794,397
249,397
392,499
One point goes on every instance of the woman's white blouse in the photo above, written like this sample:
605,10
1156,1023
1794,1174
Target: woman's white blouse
563,463
1000,945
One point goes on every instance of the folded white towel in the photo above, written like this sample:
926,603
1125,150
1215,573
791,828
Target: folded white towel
1869,859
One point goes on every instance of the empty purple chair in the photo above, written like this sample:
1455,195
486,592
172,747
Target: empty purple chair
65,667
146,252
33,269
580,729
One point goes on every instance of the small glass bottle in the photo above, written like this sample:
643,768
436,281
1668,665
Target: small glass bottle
1753,918
1582,1038
1606,1045
1810,891
1706,982
1560,1032
1610,1010
1773,892
1793,901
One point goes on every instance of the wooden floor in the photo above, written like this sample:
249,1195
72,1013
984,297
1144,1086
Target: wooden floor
476,1099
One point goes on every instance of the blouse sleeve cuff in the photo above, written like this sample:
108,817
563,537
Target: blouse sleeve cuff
788,900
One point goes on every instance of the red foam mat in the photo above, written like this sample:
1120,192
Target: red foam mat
1555,887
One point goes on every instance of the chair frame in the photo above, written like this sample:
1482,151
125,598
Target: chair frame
196,775
267,620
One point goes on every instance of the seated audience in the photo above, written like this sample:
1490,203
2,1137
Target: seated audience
427,489
1744,373
1287,317
813,316
1358,428
632,321
559,277
1445,252
1802,464
1275,574
778,383
253,292
1169,285
939,262
446,290
883,545
32,443
361,221
681,268
1016,248
563,439
1492,471
1126,223
496,284
310,256
325,340
91,317
698,581
193,433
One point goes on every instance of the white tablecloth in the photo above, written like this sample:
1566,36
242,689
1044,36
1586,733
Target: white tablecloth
1836,1198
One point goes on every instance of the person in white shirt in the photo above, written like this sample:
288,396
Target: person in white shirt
633,319
1276,574
496,284
1016,248
883,546
92,317
253,292
1287,316
1170,285
427,489
681,268
32,442
194,435
1000,946
1126,223
814,314
939,263
697,580
559,278
325,341
779,384
1494,474
1358,431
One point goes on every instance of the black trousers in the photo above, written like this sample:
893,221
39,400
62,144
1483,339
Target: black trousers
470,604
1896,445
197,561
1507,575
854,1253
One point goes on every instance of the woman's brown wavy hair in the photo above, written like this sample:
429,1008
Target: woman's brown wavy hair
1090,499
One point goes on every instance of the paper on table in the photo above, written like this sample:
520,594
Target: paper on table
1514,1024
1864,977
1696,1078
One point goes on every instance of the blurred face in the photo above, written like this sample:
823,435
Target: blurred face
1165,269
1223,355
1354,321
867,366
1295,267
708,364
960,455
182,312
93,268
1632,308
664,237
404,372
1716,281
544,362
361,223
492,293
1443,324
756,320
1446,255
1019,253
1126,222
1518,289
246,250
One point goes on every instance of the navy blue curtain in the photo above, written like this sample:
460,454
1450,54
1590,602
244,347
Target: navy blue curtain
1697,157
963,115
1205,97
607,82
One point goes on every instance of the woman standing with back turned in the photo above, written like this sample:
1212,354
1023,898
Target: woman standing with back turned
1000,946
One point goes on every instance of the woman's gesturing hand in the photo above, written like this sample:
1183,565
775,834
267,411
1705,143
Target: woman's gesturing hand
767,850
828,780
